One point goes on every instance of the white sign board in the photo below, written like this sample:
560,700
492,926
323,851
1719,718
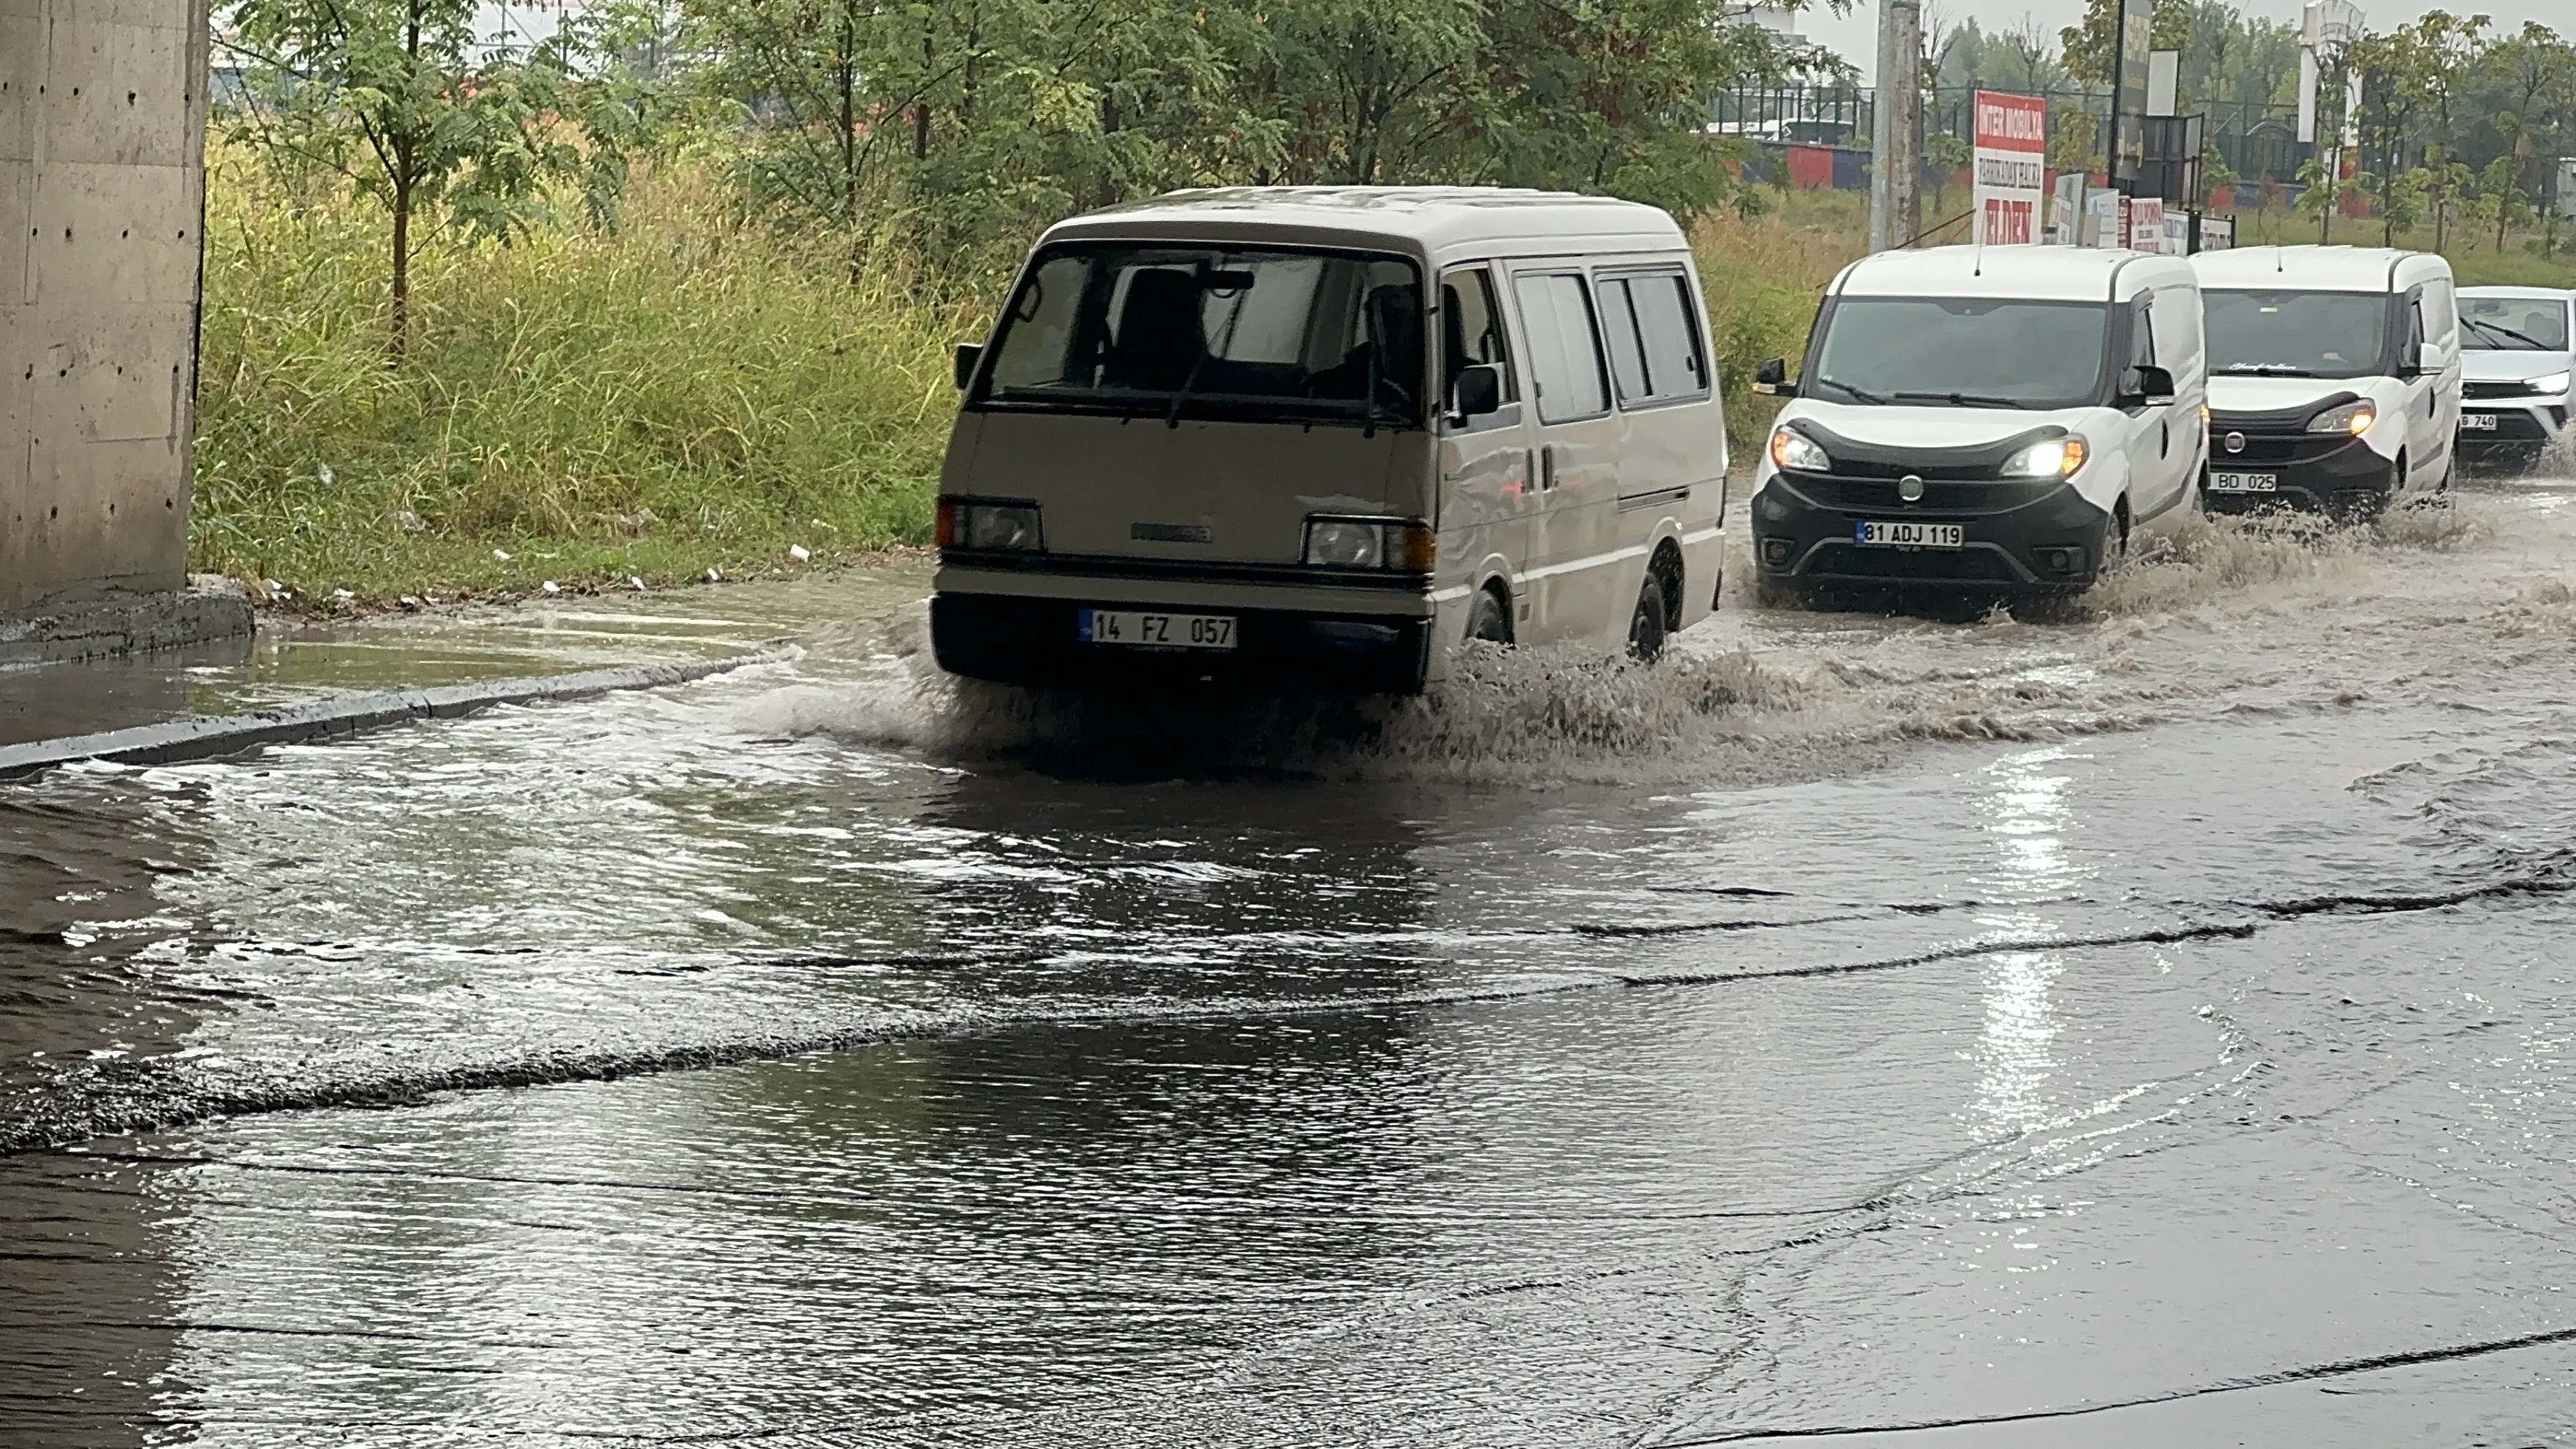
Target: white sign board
2066,211
2102,216
2011,150
2146,224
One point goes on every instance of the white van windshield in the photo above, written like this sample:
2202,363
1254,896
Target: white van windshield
2296,334
2514,324
1963,352
1176,329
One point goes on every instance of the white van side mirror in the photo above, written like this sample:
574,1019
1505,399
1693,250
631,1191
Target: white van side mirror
2428,359
2148,384
1478,391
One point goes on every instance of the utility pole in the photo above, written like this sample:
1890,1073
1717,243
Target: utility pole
1896,129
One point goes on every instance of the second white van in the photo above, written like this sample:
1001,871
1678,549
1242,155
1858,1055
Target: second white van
2334,376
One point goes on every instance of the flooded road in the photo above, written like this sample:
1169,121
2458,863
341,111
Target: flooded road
1916,1031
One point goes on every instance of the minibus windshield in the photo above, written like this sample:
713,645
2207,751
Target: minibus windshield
1965,352
1163,329
2514,324
2296,334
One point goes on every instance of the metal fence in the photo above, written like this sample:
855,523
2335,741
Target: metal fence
2255,140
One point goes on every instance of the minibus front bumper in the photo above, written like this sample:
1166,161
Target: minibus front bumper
2018,536
1017,621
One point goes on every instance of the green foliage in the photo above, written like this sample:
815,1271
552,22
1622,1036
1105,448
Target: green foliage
2092,45
389,94
966,127
679,394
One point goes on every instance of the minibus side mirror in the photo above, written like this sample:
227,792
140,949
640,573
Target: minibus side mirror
2147,383
1771,378
968,354
1479,390
2427,360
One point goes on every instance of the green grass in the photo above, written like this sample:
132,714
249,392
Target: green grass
681,395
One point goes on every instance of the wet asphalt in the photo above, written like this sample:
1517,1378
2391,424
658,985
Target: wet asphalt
2141,1025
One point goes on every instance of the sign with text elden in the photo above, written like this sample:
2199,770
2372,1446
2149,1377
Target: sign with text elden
2011,167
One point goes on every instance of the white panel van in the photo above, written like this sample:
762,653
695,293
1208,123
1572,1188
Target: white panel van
1998,418
1320,436
2518,347
2334,376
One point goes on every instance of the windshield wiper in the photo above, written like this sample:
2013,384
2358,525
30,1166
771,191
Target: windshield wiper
1172,418
2533,343
1858,394
1960,399
2268,369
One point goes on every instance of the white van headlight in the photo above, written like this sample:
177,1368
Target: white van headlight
2554,382
1795,450
1000,526
1369,543
2353,417
2054,458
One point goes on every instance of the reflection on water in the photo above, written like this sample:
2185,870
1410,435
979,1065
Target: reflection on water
635,1069
87,1280
2026,816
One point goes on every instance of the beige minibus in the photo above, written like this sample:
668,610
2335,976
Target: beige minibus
1318,437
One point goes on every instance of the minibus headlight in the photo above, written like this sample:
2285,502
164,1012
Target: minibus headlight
1368,543
1794,450
2554,382
999,526
2054,458
2353,417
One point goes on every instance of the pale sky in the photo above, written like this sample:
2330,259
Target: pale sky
1855,35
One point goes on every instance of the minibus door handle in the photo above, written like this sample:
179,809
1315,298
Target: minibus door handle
1547,467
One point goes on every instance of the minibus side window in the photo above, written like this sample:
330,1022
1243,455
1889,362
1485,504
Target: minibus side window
1565,349
1471,330
1627,349
1654,349
2142,332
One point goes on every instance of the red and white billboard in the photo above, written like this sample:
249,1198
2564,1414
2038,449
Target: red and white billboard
2011,149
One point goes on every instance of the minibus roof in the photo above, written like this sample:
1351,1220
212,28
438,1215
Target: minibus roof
1436,222
2307,268
2041,273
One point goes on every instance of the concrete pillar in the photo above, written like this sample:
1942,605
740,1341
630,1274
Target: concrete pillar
102,185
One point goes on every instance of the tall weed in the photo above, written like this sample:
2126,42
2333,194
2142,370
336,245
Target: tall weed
678,394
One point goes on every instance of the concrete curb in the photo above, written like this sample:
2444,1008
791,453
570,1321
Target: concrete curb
212,736
210,608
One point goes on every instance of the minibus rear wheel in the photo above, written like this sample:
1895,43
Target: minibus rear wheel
1489,617
1647,629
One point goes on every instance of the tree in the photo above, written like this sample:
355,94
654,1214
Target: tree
396,96
2027,45
2092,47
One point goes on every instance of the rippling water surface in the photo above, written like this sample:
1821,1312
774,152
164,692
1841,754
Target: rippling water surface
2152,1011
